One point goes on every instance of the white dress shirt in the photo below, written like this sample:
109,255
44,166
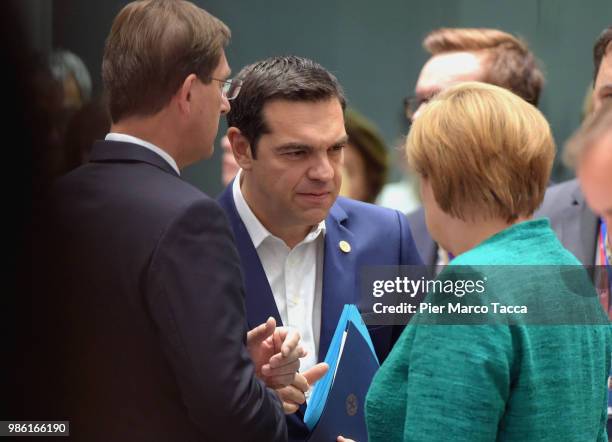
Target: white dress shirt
114,136
295,275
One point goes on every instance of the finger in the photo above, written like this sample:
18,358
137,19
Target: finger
291,394
290,342
276,381
300,383
293,352
315,373
279,336
278,360
291,369
262,331
279,381
290,408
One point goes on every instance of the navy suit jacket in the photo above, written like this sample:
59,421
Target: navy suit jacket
427,247
377,236
142,321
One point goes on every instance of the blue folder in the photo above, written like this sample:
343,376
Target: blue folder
336,405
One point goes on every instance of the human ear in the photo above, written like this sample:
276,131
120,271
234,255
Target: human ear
241,147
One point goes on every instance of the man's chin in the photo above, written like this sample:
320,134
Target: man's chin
314,216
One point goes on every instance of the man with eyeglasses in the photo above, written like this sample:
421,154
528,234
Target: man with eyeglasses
143,287
468,54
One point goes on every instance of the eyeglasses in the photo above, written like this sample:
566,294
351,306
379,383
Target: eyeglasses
413,103
231,87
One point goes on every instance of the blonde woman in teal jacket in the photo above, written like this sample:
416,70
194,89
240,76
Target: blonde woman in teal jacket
484,158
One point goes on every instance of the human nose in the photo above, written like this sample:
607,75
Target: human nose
225,105
322,168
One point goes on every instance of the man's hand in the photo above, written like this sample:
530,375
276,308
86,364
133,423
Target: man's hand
294,395
275,353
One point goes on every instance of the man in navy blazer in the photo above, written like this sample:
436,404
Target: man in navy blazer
302,248
145,335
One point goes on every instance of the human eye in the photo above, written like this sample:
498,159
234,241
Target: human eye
337,148
295,153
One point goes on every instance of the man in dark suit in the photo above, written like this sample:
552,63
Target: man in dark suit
469,54
571,219
302,248
576,225
143,305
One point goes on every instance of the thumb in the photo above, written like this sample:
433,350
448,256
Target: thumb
315,373
262,331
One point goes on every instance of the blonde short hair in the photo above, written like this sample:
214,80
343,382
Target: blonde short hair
484,150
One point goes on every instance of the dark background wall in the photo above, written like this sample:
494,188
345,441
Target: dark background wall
373,47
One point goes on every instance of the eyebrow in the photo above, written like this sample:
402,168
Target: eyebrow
296,145
427,94
227,75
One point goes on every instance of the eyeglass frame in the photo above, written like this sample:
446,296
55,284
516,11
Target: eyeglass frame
412,104
227,86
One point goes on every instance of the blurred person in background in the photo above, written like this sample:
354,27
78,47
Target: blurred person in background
88,124
73,75
578,228
365,159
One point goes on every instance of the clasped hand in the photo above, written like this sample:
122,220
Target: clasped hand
276,355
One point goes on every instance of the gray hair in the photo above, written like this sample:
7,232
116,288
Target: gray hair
64,63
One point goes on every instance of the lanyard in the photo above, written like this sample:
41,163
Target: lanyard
602,244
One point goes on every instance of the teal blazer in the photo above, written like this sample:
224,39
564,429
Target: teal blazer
500,382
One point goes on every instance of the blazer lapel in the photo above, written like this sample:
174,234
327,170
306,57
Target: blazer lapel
587,225
339,273
259,300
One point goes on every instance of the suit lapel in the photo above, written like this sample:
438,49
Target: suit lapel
259,300
339,275
587,225
339,272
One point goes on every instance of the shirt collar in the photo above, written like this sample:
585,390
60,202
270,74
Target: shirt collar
257,231
114,136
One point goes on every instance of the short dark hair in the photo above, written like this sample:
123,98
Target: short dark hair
152,47
289,78
599,50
